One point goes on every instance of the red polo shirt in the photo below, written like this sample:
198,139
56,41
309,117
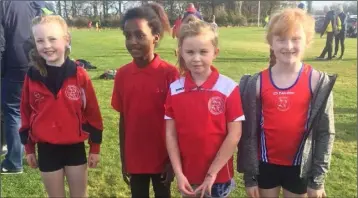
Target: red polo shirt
139,94
201,115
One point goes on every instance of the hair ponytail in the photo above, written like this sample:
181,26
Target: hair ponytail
163,17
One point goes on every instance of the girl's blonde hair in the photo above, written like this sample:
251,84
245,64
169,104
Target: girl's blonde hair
193,26
35,59
284,23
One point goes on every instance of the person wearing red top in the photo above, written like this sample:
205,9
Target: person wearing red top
139,93
203,116
284,94
59,111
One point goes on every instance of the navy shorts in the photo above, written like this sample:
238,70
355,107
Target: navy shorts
219,190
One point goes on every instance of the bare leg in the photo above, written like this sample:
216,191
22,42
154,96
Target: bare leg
54,183
288,194
77,180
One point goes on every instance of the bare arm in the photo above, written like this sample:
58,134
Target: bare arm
173,148
227,148
121,137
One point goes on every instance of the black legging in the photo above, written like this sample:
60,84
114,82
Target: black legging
328,47
339,39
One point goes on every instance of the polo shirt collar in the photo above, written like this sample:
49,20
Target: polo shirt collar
208,84
152,65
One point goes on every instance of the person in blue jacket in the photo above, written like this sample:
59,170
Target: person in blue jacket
15,35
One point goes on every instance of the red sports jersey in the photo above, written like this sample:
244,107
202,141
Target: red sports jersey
284,118
139,94
201,115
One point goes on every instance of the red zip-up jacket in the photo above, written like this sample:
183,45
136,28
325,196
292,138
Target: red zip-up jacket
68,117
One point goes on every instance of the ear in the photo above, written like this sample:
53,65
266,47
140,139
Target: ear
67,39
216,52
156,38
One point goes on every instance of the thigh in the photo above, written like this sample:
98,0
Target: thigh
292,182
139,184
75,154
269,176
50,157
54,183
10,94
160,190
76,177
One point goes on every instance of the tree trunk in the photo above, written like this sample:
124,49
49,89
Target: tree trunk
120,7
95,8
240,8
59,10
309,7
66,11
73,8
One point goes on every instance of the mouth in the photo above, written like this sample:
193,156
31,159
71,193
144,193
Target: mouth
49,53
289,53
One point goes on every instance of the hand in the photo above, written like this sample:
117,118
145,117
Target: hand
321,193
206,185
184,186
31,160
126,176
93,160
168,174
253,192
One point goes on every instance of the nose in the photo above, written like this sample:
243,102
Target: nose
47,44
196,57
289,44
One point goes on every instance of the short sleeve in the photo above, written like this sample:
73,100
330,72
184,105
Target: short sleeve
116,94
234,110
169,113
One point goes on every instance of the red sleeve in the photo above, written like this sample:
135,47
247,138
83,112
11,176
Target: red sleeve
169,113
91,113
116,95
234,110
25,112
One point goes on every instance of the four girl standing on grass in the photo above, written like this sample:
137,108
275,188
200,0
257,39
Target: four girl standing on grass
193,123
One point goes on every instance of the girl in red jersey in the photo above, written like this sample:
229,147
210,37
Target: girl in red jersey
287,139
203,116
139,92
59,111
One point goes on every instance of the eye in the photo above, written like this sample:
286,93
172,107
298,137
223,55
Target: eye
203,51
189,51
52,39
140,35
39,41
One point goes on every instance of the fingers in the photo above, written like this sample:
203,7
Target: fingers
187,189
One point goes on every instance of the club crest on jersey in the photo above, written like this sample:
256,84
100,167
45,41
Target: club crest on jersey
283,103
216,105
72,92
38,97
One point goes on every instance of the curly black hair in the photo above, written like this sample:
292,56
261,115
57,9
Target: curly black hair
152,12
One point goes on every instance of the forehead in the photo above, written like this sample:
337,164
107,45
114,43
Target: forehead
47,29
289,30
198,41
136,25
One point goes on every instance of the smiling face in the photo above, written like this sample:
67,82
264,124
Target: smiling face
140,42
289,49
51,42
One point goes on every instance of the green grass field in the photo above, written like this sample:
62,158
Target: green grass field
243,50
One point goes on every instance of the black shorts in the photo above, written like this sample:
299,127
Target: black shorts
272,175
52,157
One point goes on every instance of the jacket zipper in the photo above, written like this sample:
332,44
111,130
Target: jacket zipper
31,124
79,125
